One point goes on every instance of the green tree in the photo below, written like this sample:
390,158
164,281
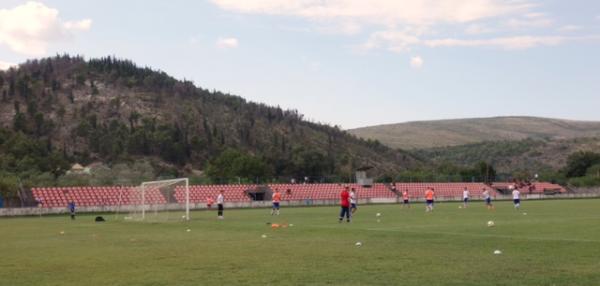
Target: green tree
134,117
20,122
95,91
308,163
231,164
38,119
486,171
84,128
579,162
8,185
593,171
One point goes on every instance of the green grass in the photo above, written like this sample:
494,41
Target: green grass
557,243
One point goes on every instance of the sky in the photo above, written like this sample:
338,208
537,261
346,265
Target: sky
350,63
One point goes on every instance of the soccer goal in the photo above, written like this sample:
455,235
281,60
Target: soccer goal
158,200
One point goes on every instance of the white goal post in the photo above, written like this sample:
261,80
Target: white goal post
162,197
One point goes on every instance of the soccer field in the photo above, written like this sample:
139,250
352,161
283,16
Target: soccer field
556,243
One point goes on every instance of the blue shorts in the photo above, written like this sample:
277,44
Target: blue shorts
465,200
353,206
276,206
488,201
517,201
430,202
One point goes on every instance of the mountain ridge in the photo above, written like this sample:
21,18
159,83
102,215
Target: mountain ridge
462,131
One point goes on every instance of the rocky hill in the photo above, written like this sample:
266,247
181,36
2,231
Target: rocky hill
110,110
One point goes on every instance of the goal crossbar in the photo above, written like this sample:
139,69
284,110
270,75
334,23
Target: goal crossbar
163,183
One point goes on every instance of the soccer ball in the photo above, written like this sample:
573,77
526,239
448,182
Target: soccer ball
497,252
491,223
378,215
358,244
264,236
188,230
524,213
291,224
460,207
62,232
183,217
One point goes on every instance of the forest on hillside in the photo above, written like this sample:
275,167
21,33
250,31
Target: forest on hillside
110,113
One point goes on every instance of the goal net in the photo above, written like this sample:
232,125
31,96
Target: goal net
157,200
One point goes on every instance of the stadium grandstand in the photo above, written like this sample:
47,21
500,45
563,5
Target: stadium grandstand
116,195
529,188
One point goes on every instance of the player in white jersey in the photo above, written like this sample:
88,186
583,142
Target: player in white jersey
353,201
517,198
220,201
466,195
488,199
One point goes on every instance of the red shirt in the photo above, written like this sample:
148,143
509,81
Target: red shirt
429,194
276,197
344,199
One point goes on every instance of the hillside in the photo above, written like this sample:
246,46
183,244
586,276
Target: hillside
62,110
441,133
510,157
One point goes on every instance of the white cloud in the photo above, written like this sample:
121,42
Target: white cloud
402,25
530,20
29,28
477,29
416,62
570,28
386,12
82,25
402,42
6,65
346,28
227,43
397,41
509,43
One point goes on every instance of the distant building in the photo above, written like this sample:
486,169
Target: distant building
78,169
362,176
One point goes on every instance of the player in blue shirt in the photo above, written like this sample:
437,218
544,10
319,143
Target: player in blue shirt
72,209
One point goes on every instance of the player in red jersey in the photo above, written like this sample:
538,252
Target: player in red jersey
345,204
